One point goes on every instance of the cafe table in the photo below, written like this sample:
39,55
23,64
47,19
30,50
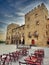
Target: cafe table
32,61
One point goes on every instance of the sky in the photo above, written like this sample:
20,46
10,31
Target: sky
13,11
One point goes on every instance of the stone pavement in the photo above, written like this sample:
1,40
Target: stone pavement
11,48
46,58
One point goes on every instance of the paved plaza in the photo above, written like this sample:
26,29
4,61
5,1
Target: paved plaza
10,48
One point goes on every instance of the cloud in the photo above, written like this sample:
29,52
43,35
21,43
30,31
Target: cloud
15,3
3,36
3,26
20,14
13,11
33,4
3,23
8,15
47,4
2,30
21,20
18,20
2,33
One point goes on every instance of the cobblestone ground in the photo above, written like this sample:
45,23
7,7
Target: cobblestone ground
11,48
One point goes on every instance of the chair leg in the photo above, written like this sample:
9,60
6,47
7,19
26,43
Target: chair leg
19,63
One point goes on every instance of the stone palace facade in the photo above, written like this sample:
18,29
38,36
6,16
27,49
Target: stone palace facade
36,27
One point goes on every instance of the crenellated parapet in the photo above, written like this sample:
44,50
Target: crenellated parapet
39,7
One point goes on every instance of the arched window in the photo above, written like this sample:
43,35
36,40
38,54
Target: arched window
36,34
22,34
29,35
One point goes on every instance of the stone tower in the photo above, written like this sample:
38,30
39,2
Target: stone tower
9,32
35,25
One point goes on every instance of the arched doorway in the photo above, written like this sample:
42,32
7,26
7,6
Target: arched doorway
23,40
48,41
33,42
19,38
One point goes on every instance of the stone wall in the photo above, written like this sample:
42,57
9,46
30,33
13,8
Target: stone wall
18,33
35,27
35,22
9,32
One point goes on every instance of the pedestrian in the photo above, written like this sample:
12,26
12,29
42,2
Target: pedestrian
21,40
16,43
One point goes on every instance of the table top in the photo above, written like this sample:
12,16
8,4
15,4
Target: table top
32,59
38,52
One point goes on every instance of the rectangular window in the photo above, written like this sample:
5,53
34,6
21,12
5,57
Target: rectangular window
28,26
37,22
23,28
36,15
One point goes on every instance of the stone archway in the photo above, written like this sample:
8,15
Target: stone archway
33,42
48,42
23,40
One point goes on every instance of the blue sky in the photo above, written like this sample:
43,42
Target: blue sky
13,11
